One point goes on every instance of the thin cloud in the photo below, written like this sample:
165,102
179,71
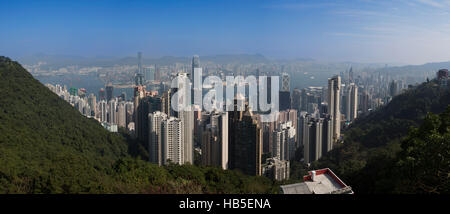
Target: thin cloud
292,6
432,3
357,35
362,13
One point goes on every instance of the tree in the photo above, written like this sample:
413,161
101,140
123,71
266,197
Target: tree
425,156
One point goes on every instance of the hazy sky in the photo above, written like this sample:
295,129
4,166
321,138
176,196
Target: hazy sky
404,31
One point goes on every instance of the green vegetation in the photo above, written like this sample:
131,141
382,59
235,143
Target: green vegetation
47,146
384,153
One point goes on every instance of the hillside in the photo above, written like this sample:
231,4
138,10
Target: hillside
374,148
47,146
44,139
405,110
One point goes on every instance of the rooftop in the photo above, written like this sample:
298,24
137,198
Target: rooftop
322,181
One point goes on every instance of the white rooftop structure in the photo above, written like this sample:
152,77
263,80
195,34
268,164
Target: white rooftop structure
322,181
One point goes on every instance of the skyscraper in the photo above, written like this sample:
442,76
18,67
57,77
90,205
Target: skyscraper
285,93
304,100
214,141
296,100
245,142
139,76
187,117
166,141
112,105
284,141
103,111
327,138
165,100
301,121
139,62
121,114
312,137
222,126
285,100
184,114
350,75
334,86
195,64
350,105
285,82
365,102
155,145
353,101
129,108
109,91
143,105
173,146
92,101
208,141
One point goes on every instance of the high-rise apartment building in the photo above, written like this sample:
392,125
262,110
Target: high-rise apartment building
214,141
312,138
334,87
284,141
327,134
155,145
316,136
276,169
121,114
350,105
365,102
245,142
353,101
185,113
173,146
144,103
103,111
92,102
187,117
166,141
112,105
297,100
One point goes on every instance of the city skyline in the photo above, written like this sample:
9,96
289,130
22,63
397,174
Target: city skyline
225,97
408,32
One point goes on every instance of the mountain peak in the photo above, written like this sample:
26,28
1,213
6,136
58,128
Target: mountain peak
4,59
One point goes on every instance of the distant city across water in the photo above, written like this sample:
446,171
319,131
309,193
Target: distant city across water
90,82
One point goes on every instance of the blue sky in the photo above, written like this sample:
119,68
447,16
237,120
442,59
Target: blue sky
402,31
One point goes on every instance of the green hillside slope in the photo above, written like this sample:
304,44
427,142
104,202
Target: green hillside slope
371,157
44,139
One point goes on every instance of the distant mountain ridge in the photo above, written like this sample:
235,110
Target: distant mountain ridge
64,60
416,69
